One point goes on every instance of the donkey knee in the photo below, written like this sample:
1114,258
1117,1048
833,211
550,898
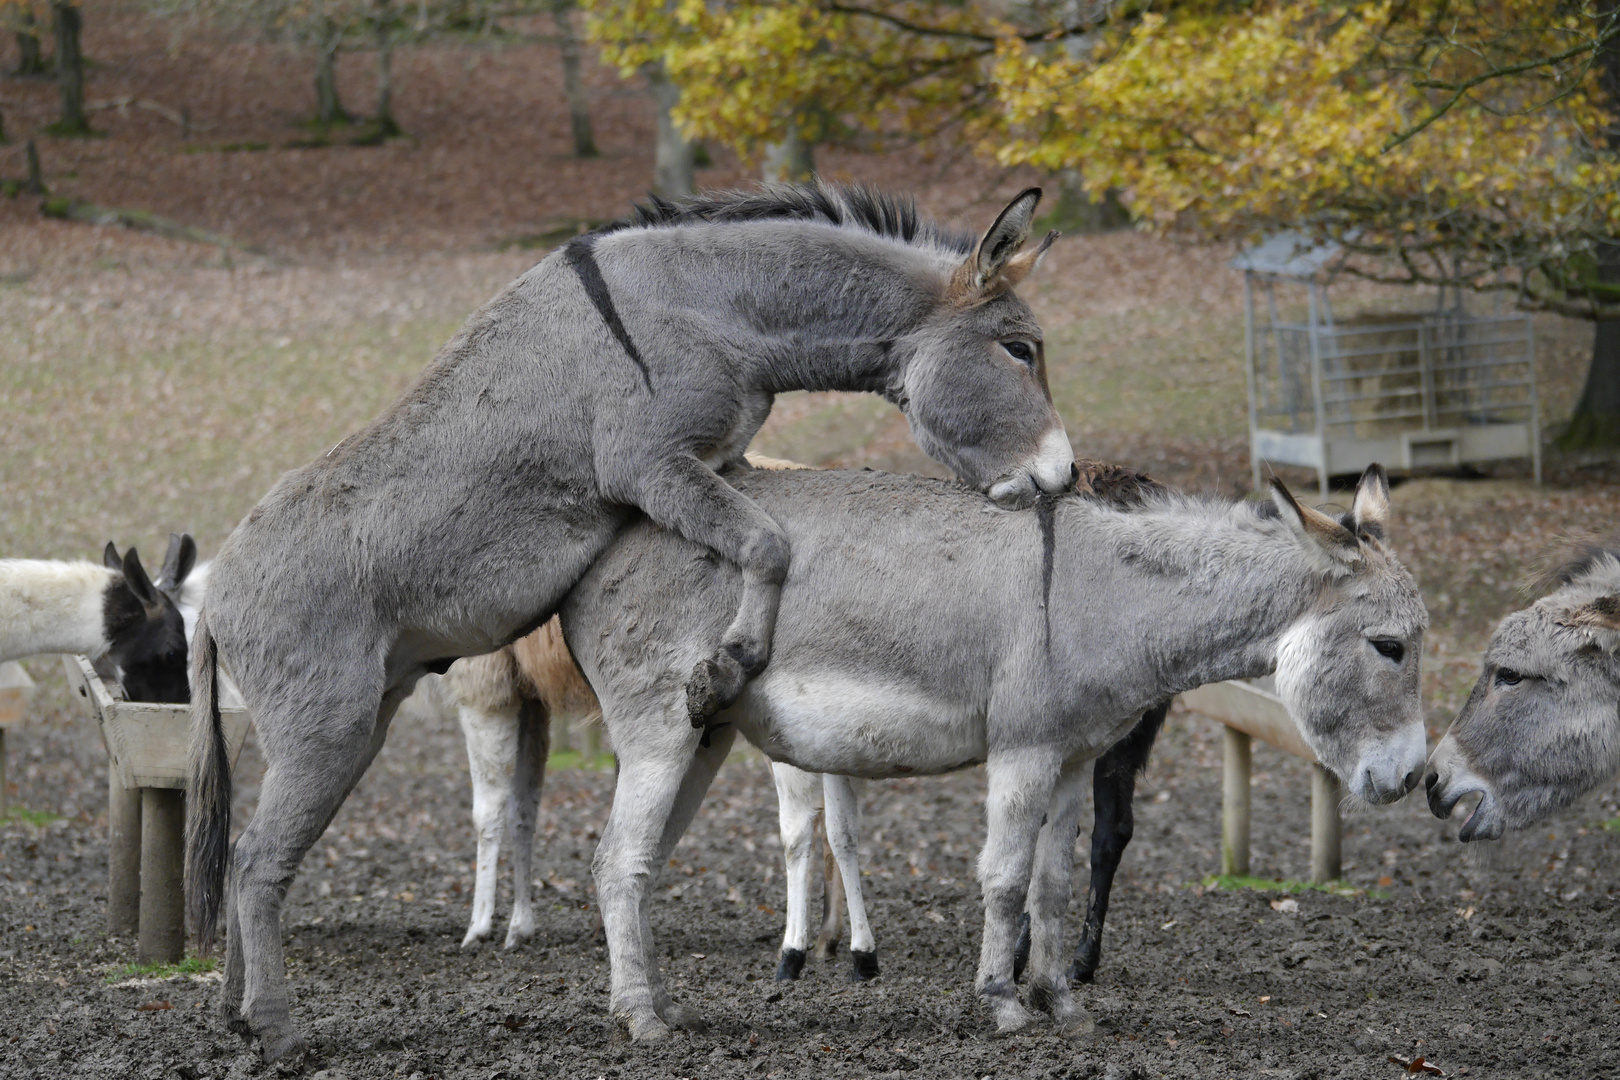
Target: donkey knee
766,555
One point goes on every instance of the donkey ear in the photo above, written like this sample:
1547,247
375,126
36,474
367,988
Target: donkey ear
110,557
1600,614
1326,533
139,584
1025,263
997,248
1369,513
177,561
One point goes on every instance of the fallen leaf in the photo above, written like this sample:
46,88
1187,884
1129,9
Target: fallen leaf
1235,1011
699,956
934,916
1385,882
1289,906
153,1006
1263,998
514,1022
1416,1065
1168,925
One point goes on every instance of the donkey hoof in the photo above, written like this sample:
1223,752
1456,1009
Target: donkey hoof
646,1029
685,1018
1076,1025
1011,1018
790,967
281,1046
234,1021
865,967
714,685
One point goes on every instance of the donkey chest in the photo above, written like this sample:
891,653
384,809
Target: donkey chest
860,726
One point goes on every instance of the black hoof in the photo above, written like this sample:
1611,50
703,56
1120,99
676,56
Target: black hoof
1078,974
792,963
866,965
714,685
1021,950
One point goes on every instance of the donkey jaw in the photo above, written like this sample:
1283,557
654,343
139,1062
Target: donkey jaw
1051,470
1447,786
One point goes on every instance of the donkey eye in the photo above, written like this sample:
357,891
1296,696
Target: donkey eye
1390,649
1020,351
1508,677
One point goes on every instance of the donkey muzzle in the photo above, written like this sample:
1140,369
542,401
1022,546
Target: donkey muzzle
1051,470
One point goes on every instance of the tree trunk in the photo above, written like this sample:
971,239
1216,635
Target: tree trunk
29,60
1596,422
69,71
1075,211
674,164
791,160
579,109
329,108
387,127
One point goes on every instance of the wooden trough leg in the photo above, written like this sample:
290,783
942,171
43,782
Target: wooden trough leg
1325,831
3,806
1235,806
123,856
163,928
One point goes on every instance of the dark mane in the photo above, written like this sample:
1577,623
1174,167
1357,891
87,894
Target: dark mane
1572,560
854,206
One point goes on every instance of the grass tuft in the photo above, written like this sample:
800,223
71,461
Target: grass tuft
1612,825
37,818
190,965
1286,885
575,759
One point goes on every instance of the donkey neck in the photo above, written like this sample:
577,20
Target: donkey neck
1209,589
822,307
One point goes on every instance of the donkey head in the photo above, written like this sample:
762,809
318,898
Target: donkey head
145,627
1542,726
1348,669
974,388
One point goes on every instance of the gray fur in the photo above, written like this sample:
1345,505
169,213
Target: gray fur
913,639
1542,725
459,520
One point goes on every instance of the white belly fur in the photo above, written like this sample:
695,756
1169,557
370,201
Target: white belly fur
858,727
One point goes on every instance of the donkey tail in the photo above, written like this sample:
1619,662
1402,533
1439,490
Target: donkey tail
208,793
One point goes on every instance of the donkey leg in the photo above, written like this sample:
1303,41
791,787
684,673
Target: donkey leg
1048,902
684,495
528,774
230,998
303,788
798,805
492,734
1021,783
832,901
627,862
1114,790
843,824
705,762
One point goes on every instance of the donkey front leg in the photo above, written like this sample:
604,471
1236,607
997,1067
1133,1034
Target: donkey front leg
684,495
1048,902
1020,789
492,750
842,820
528,775
798,805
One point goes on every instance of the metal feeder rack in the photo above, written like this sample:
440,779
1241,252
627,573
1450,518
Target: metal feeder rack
1412,390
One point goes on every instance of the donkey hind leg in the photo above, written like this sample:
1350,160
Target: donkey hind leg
1020,787
492,735
843,824
1048,902
1114,789
832,901
528,775
684,495
798,805
304,785
653,801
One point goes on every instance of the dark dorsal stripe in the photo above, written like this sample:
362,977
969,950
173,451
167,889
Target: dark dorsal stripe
1046,515
583,260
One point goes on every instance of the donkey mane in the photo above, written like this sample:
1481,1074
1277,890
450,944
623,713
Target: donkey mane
1570,562
850,206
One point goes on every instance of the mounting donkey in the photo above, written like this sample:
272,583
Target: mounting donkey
922,630
1542,726
612,377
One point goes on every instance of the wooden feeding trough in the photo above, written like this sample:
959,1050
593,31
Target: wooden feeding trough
147,746
15,690
1251,710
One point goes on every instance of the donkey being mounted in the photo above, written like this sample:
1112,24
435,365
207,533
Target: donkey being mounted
1030,642
613,376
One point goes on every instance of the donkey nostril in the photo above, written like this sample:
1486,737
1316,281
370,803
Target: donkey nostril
1411,780
1074,473
1432,779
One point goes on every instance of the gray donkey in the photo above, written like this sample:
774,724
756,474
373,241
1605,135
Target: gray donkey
1542,726
922,629
614,376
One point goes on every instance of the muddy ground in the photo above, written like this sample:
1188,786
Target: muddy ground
1506,971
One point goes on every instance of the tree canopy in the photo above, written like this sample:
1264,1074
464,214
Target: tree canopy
1469,143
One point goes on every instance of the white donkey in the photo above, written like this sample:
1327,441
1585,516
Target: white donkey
922,629
114,614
